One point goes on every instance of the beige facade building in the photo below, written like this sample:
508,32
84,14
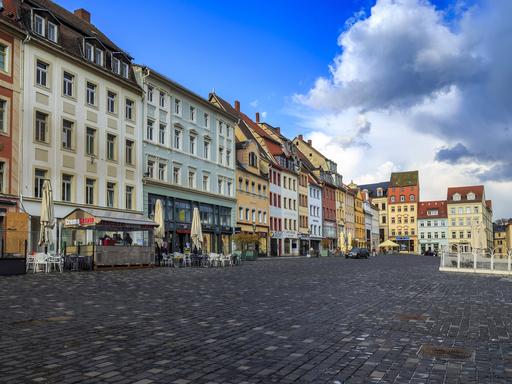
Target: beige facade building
378,193
469,215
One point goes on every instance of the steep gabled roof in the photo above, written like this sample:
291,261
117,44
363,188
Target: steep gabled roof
425,206
404,179
478,190
372,188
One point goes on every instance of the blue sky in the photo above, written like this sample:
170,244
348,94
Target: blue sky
246,50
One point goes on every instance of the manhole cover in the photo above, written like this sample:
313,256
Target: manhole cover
407,316
446,353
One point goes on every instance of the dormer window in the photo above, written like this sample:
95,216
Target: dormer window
39,22
52,32
124,70
253,160
89,52
98,56
456,197
471,196
379,192
116,66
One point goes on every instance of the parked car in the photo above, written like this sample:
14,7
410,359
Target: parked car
429,252
358,253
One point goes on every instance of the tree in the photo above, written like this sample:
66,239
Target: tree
245,240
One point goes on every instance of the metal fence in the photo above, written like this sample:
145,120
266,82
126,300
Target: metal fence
477,261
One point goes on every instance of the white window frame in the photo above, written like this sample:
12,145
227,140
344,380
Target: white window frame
89,52
116,65
68,85
43,27
90,93
56,32
111,102
6,56
42,73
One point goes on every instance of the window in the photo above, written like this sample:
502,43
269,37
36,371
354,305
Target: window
91,93
52,32
111,147
39,25
241,213
128,196
2,177
228,158
476,209
124,70
161,134
229,187
151,169
3,115
253,160
191,179
41,127
253,215
98,56
90,141
460,210
89,51
206,119
129,152
111,193
177,139
39,178
128,109
176,174
149,130
402,198
177,106
206,183
150,93
89,191
116,65
392,199
67,181
4,57
456,197
471,196
162,99
461,234
468,210
111,102
221,155
192,113
192,144
206,149
67,134
411,197
265,217
220,182
161,171
41,73
67,86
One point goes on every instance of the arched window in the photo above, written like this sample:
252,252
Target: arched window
411,197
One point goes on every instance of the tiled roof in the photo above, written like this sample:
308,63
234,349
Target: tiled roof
425,206
478,190
372,188
404,179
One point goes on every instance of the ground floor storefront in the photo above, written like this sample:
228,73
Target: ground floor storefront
261,247
432,245
284,243
216,218
406,243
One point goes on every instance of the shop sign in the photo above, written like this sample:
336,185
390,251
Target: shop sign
402,238
284,235
79,222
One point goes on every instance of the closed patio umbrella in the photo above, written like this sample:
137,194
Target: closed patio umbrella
342,241
349,241
159,219
196,233
47,219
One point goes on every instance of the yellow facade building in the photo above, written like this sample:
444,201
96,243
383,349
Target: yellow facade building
359,223
501,245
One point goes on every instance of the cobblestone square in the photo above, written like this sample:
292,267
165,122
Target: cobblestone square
297,320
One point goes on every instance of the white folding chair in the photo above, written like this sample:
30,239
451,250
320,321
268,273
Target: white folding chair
41,260
31,262
55,261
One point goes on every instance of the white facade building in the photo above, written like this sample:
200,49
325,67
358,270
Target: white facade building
315,213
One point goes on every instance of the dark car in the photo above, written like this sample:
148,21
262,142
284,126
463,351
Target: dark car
358,253
429,252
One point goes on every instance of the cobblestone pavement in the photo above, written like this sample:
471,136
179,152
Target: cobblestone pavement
326,320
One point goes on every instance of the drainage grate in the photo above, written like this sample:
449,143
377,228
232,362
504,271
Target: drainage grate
407,317
445,353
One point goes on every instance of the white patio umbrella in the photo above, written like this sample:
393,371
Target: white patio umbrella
482,236
159,219
47,219
342,241
349,241
196,233
475,237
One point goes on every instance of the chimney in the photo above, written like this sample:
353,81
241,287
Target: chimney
257,117
237,105
83,14
301,138
310,142
278,130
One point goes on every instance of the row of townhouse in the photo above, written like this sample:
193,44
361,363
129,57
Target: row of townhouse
114,137
420,226
110,136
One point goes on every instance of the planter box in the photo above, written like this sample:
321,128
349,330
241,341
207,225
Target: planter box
324,252
249,255
12,266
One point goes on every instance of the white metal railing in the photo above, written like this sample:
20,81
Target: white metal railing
478,261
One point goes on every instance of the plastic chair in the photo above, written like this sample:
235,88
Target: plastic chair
31,262
41,260
56,261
